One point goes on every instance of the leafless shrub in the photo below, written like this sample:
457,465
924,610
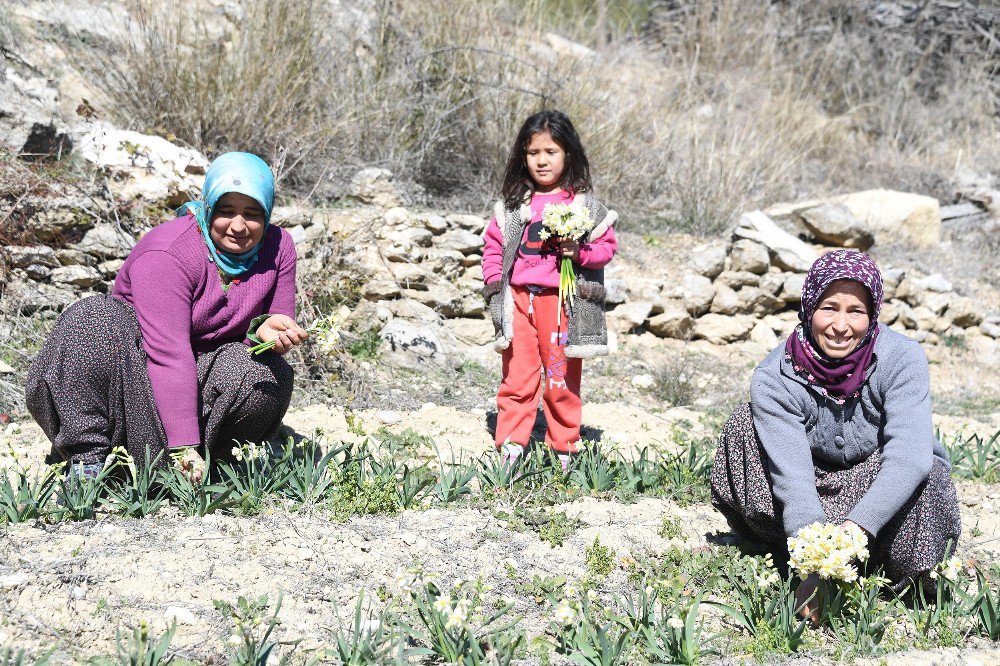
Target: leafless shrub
260,86
723,104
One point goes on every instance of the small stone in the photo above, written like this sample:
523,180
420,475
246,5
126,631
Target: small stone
617,291
388,417
305,554
78,592
6,369
834,224
409,538
721,329
726,301
992,329
735,279
643,381
672,323
38,272
77,276
427,406
764,336
381,290
12,580
791,290
181,615
935,282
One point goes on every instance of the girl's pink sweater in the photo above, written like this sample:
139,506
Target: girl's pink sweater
537,263
170,280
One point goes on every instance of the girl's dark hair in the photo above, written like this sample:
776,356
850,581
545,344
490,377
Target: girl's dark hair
517,181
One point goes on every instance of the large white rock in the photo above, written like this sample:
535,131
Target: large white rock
964,312
629,315
789,252
471,331
375,186
107,242
76,276
894,216
443,297
697,292
763,335
749,256
708,259
725,301
675,322
463,240
834,224
146,167
721,329
418,344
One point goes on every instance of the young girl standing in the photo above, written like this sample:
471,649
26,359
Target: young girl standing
542,352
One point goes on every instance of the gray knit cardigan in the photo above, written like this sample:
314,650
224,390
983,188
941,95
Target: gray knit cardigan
586,328
798,426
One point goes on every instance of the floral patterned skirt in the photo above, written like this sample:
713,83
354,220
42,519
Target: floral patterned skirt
89,390
913,542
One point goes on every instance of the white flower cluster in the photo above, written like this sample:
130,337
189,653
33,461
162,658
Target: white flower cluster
458,614
249,450
950,569
406,581
565,221
765,573
828,550
328,333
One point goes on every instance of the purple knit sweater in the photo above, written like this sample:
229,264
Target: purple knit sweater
174,287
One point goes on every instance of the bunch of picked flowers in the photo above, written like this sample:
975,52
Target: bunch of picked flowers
327,328
565,222
828,550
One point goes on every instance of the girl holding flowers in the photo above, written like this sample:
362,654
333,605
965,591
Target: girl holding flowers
164,362
543,269
838,432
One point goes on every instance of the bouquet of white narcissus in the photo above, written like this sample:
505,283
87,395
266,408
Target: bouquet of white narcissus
327,328
565,222
828,550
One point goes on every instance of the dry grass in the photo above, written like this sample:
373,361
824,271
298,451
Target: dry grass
720,105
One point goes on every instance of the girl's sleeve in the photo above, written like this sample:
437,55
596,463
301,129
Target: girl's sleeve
908,451
780,423
598,252
492,252
162,297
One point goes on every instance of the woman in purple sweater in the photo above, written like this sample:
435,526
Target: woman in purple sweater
163,362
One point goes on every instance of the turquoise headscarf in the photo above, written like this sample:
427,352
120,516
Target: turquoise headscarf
233,172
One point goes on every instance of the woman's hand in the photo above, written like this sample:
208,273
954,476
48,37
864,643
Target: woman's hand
282,331
808,607
190,463
569,249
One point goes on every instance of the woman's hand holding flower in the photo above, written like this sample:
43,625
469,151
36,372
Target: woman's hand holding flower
283,332
190,463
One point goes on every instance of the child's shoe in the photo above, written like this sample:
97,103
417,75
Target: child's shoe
510,454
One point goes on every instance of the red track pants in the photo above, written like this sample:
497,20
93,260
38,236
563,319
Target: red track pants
537,353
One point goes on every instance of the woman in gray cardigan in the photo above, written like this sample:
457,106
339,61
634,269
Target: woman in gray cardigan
838,430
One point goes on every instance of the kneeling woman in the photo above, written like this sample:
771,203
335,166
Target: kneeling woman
163,363
838,430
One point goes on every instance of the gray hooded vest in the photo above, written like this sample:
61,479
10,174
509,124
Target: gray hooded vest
587,330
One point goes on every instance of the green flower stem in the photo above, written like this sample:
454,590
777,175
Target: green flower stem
264,346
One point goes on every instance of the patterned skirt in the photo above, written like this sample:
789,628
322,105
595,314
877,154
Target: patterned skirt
89,390
915,540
